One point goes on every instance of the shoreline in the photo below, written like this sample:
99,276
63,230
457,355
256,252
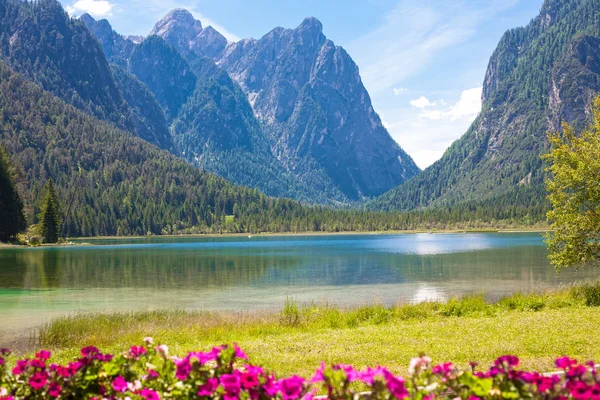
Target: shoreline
274,234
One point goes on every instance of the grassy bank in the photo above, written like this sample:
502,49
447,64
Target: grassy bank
538,327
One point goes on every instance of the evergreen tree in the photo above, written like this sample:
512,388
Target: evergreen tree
50,218
12,219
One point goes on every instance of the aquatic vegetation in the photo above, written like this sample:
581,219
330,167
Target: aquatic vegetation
224,372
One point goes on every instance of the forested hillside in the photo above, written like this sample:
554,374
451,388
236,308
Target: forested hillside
538,76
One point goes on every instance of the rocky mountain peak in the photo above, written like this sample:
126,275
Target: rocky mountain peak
209,43
311,24
178,28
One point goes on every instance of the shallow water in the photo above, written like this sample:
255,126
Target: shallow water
243,273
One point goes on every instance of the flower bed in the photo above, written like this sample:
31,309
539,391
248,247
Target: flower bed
148,372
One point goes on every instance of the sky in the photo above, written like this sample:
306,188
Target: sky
422,61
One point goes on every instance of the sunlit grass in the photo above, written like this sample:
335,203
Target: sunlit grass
538,327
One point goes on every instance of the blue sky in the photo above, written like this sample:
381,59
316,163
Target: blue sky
423,61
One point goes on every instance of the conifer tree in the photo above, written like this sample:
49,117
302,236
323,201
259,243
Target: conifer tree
50,218
12,219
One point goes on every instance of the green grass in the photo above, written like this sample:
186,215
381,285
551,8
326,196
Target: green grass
538,327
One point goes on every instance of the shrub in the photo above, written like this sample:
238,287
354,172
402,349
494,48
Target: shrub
148,372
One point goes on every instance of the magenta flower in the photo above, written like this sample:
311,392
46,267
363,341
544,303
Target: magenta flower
395,385
2,362
149,394
508,361
89,351
319,376
74,367
249,380
239,353
43,355
369,375
291,388
231,384
271,387
4,351
208,388
137,351
20,367
54,390
39,380
119,384
152,374
37,363
565,362
184,368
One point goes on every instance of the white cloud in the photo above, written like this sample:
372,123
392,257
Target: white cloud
96,8
427,128
413,33
399,90
467,107
422,103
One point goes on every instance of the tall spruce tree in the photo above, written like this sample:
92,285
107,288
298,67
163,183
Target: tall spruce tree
12,219
50,218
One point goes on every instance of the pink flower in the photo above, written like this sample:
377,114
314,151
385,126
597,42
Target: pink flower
37,363
271,387
149,394
231,384
39,380
509,361
565,362
418,364
152,374
319,376
239,353
54,389
163,350
395,385
291,388
149,341
369,375
89,351
137,351
184,367
20,367
249,380
208,388
74,367
43,355
119,384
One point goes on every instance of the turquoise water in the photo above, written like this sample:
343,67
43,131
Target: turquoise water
245,273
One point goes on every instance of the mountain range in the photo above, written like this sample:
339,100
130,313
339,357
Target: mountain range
538,76
287,114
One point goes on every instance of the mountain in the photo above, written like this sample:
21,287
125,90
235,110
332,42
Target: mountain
39,40
310,102
216,130
181,30
117,48
538,76
112,183
164,71
149,118
212,123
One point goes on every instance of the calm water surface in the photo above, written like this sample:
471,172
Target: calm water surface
261,272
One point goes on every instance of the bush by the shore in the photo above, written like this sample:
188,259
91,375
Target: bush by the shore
149,372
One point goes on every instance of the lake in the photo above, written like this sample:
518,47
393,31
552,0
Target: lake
244,273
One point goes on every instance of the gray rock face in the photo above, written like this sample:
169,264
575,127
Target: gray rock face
182,31
116,47
575,83
309,96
